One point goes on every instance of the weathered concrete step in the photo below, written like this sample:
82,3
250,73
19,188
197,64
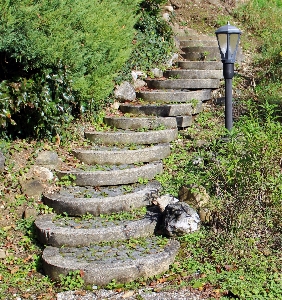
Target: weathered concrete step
201,49
198,43
140,122
131,174
200,65
194,74
77,201
201,53
100,264
132,137
114,156
174,95
183,84
167,110
73,232
194,37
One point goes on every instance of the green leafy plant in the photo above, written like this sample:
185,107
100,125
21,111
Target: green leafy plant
73,280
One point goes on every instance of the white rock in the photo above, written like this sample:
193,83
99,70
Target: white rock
157,72
180,219
169,8
166,17
164,200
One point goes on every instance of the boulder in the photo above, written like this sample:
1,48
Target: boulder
180,219
125,91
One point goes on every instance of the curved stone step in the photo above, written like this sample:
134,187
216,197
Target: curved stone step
200,65
166,110
174,95
183,84
113,156
66,231
201,49
194,74
99,265
210,55
129,137
77,201
198,43
138,123
194,37
113,177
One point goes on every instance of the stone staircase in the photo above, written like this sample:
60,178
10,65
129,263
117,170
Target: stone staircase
106,225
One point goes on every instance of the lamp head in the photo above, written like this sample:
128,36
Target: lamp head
228,38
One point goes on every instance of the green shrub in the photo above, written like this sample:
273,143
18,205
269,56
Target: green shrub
59,56
153,40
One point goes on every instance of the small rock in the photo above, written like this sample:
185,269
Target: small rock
33,188
2,162
139,83
115,105
125,91
180,219
136,74
48,159
169,8
30,212
43,173
166,17
2,253
157,72
163,201
172,60
195,196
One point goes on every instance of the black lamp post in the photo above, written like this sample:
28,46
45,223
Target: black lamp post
228,37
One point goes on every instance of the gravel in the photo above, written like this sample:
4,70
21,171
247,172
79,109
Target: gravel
146,294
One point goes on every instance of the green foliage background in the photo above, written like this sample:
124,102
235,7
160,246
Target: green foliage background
58,57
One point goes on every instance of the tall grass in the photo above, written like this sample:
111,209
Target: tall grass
262,20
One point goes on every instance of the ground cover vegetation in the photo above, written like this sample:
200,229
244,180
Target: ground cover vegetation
237,252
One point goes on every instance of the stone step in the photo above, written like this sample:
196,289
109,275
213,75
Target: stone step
167,110
132,137
201,53
198,43
77,201
183,84
194,37
117,176
58,231
200,65
100,264
174,95
133,123
121,156
194,74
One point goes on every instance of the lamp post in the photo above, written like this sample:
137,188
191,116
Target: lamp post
228,37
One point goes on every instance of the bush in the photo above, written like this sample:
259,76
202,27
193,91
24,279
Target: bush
153,40
57,57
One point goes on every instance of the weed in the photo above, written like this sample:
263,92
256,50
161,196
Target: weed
73,280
